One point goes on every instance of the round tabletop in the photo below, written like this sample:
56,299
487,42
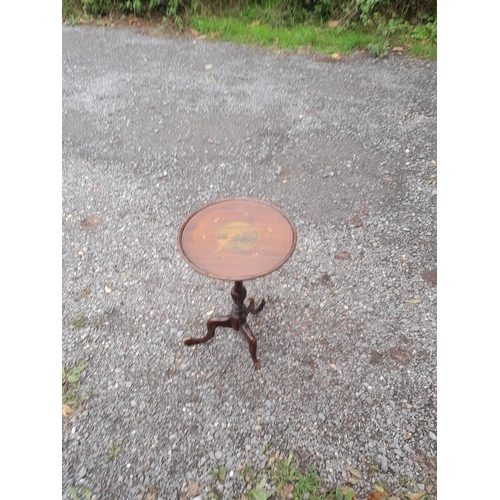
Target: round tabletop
237,239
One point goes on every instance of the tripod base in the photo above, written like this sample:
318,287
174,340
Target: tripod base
237,320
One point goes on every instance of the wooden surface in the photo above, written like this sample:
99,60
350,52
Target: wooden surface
237,239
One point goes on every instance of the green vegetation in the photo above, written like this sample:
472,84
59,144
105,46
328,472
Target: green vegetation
114,450
86,493
79,321
330,27
71,392
283,476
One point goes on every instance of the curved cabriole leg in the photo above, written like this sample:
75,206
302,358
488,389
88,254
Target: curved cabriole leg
212,324
252,342
250,308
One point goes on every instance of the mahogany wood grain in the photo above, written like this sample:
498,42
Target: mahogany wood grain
237,239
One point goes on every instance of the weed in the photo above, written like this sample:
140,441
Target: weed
219,473
378,50
79,321
86,493
248,473
114,450
404,481
85,292
343,493
71,392
288,472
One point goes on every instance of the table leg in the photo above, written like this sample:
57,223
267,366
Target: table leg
212,324
250,308
252,342
237,320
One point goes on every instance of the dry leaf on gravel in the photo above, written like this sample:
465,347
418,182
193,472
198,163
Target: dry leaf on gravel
193,489
66,411
90,223
286,490
151,492
400,355
429,276
353,471
415,496
342,256
377,495
345,490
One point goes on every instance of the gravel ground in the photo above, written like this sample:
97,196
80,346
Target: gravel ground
153,128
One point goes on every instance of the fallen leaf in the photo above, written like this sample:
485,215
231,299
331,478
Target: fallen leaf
402,356
90,223
379,488
397,49
353,471
342,256
202,37
151,492
332,23
429,276
286,490
193,489
66,411
255,23
336,56
416,496
377,495
352,480
356,221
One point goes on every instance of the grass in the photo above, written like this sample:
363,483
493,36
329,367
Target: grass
314,38
264,27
